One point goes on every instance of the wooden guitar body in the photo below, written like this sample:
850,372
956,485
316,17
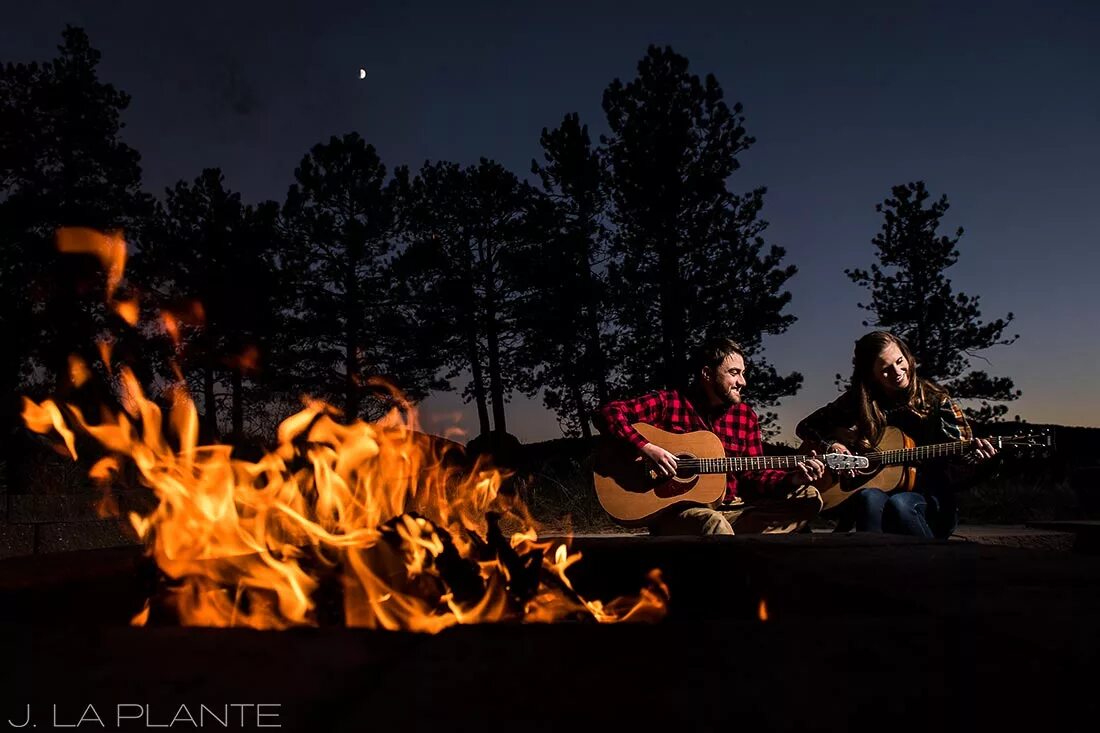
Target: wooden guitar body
630,493
630,490
835,490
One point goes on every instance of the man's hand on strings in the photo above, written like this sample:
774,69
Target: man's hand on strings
664,463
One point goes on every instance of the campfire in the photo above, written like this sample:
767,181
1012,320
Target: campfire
411,537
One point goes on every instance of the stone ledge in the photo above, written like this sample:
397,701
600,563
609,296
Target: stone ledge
1020,537
16,540
1085,533
35,508
49,537
64,536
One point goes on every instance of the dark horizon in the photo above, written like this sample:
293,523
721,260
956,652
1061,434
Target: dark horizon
997,110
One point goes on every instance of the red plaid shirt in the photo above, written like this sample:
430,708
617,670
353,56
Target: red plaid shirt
736,426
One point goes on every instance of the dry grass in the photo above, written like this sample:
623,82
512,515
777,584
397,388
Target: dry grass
1019,499
560,496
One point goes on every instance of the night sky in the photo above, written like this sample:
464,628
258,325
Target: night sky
995,104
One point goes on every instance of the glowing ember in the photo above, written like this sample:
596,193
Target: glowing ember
78,371
128,311
380,510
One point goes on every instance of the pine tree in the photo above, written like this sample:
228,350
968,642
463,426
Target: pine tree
468,231
691,259
565,314
206,265
348,324
62,163
912,296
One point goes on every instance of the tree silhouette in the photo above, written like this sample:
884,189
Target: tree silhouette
207,263
565,316
62,163
912,296
468,229
347,325
690,261
252,317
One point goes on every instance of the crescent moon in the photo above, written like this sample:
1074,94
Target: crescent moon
362,73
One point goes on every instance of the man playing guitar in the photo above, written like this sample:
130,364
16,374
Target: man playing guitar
769,500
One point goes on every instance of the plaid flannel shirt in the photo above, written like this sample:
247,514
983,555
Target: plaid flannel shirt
737,426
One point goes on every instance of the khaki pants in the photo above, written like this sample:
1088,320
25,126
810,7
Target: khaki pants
762,516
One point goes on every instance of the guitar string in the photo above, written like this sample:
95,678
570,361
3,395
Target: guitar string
748,463
739,463
939,449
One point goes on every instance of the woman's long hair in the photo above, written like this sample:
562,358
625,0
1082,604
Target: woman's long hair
920,396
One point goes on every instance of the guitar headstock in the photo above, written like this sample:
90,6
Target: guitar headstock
1037,440
844,461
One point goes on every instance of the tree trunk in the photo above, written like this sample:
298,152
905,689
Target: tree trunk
351,369
672,325
469,311
590,320
238,403
581,408
353,328
477,377
496,383
210,414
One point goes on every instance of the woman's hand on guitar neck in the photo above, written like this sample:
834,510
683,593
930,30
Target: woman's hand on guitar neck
663,461
983,450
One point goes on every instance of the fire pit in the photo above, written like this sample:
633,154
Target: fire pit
991,637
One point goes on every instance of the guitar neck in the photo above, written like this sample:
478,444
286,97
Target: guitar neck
905,455
734,464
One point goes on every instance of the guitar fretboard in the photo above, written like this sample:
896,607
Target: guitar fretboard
739,463
903,455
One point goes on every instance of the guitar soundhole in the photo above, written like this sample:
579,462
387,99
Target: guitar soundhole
683,474
677,485
674,487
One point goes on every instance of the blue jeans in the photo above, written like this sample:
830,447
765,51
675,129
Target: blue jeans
909,513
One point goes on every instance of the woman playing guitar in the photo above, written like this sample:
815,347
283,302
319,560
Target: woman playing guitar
885,391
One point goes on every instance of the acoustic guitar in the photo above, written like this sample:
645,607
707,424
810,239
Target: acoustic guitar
632,491
891,465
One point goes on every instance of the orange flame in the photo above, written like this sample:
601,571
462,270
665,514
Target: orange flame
78,371
198,313
248,361
171,327
127,310
762,611
375,503
142,616
381,511
45,417
105,354
110,248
